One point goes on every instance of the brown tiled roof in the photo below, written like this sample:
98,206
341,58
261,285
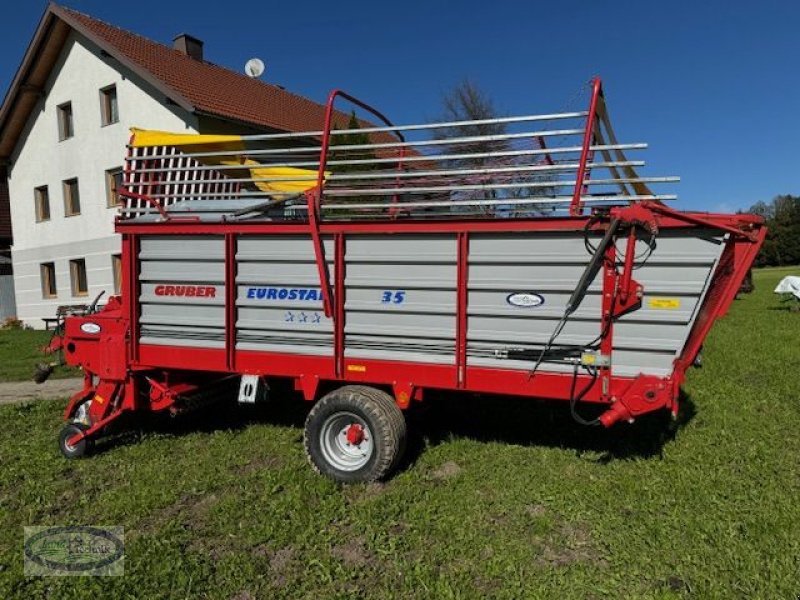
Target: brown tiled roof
201,86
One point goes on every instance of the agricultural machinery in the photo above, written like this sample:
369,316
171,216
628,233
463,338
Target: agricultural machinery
372,265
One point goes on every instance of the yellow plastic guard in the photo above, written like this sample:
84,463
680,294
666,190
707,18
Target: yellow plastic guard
143,138
306,178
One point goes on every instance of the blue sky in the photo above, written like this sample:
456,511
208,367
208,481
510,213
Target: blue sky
712,86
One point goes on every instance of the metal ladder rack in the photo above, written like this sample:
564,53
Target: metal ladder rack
509,167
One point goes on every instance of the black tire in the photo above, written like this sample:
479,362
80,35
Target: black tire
78,450
380,415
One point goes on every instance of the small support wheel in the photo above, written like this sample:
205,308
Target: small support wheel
355,434
78,450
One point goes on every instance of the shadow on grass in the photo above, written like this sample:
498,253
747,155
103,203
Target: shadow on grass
442,417
794,308
539,423
287,409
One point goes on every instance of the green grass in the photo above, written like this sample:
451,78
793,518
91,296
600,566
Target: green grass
500,498
20,350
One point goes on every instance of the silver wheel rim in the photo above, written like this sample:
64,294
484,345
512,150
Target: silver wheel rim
337,450
70,448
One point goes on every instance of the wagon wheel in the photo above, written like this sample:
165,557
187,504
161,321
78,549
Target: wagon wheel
77,450
355,434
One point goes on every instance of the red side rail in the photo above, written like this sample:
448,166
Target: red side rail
575,207
314,199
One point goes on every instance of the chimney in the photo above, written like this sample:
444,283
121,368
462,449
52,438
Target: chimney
188,45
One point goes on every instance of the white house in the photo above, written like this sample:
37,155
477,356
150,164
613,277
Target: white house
63,128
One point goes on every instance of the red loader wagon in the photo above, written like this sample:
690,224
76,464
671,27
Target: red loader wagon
371,264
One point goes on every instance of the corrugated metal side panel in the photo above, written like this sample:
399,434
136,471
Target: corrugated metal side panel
679,272
400,302
278,295
645,341
182,261
400,299
546,264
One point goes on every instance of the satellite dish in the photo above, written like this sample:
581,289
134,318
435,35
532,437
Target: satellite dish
254,67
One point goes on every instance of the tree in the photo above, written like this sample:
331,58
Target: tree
782,246
467,102
350,139
356,138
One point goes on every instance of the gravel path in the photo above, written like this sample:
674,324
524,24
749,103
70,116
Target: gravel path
20,391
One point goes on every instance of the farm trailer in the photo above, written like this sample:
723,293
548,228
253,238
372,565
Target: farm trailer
516,255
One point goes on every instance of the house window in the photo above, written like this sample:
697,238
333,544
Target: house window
109,109
48,275
77,274
42,199
116,267
72,199
113,184
66,127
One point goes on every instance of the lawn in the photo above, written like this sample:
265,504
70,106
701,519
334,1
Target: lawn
20,350
499,498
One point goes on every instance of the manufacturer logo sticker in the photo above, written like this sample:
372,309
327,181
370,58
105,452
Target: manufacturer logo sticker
90,327
525,299
284,293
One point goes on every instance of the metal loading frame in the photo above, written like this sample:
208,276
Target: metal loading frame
627,397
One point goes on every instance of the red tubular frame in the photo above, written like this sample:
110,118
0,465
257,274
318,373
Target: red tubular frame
230,301
314,197
462,279
576,208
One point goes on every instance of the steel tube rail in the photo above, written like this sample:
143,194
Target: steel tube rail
392,160
538,201
415,127
502,202
386,145
345,192
332,191
562,167
370,175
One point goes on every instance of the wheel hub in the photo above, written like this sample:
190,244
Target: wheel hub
354,434
346,441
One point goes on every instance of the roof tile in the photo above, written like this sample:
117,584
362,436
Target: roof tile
210,88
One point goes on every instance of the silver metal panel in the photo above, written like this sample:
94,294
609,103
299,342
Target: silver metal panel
400,302
279,302
645,341
182,271
182,247
179,319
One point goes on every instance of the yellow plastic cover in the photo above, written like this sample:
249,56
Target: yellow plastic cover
189,142
144,138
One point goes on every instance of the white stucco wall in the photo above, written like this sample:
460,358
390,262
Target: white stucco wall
41,159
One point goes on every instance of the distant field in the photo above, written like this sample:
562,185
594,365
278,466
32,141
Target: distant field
20,350
500,498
